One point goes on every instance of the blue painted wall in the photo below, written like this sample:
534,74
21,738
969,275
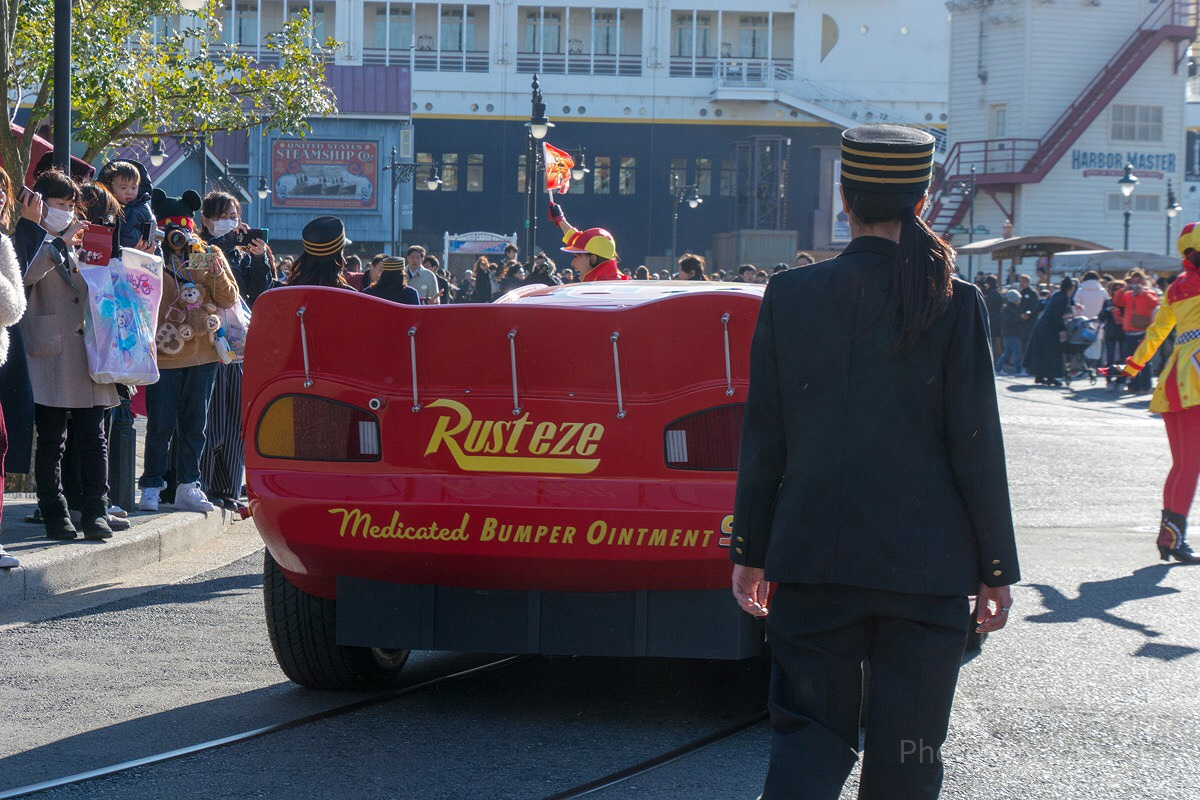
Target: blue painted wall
641,222
368,228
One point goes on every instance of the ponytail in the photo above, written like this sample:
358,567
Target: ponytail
921,284
924,264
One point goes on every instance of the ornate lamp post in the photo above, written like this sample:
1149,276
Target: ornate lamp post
681,194
538,126
1128,183
402,172
1173,208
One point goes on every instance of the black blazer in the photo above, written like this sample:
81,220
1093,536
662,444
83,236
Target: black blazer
862,468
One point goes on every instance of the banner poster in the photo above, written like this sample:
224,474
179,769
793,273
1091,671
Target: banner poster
558,168
308,173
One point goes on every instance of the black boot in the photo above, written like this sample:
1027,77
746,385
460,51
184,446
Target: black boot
57,518
95,519
1172,539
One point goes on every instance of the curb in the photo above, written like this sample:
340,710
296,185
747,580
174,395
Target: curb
62,569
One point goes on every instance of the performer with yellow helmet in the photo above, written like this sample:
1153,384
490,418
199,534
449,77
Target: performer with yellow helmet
594,250
1177,396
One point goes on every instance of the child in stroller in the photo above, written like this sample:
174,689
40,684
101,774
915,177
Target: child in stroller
1082,333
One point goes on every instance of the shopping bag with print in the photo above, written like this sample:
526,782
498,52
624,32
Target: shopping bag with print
123,298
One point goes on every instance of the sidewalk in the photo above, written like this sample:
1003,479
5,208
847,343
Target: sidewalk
51,567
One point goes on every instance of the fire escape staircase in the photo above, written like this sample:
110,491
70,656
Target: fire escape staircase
1001,164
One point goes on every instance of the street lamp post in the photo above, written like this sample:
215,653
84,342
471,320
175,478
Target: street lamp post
402,172
1128,183
1173,208
62,85
680,194
538,126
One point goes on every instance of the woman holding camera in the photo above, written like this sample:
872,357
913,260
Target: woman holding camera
223,461
196,282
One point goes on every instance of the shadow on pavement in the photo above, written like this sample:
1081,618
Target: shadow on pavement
1097,599
525,713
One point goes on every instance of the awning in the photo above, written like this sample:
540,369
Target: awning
1080,261
1018,247
41,158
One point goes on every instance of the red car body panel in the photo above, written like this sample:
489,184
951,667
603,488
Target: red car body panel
527,454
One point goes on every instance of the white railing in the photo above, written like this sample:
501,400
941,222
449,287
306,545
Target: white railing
734,74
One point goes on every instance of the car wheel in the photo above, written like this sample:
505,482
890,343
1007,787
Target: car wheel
303,631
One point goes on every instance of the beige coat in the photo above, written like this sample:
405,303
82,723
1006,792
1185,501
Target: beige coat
53,333
213,290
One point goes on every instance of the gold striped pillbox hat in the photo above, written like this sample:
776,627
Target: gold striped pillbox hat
324,237
887,159
392,263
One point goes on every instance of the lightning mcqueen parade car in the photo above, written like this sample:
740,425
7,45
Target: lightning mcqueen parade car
552,473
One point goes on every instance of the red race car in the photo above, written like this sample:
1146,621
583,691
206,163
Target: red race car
552,473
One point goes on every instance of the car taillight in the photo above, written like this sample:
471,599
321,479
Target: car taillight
706,440
316,429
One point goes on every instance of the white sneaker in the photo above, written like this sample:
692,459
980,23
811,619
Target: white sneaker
7,561
189,497
149,499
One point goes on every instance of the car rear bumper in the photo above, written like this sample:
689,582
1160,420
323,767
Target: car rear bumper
668,624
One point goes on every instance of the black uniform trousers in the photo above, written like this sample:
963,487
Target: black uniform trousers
820,635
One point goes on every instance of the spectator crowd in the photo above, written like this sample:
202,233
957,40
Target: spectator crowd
193,451
58,414
1080,329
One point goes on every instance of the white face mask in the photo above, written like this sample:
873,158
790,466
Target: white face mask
56,220
223,226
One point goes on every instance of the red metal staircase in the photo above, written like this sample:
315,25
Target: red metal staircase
1002,163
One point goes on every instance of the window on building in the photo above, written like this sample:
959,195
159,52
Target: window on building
424,171
678,175
578,187
449,172
600,175
752,36
627,176
1137,202
604,33
543,31
389,26
521,174
458,33
1136,123
998,121
474,172
246,24
726,177
322,22
704,176
691,34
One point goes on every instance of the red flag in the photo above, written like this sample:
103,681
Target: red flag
558,168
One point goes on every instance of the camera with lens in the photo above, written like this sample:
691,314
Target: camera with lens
180,238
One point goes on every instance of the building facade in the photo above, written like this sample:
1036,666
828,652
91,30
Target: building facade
1048,102
743,102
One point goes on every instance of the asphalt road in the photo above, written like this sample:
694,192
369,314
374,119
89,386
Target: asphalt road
1092,691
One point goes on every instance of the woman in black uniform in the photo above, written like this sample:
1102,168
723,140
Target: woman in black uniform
871,488
393,283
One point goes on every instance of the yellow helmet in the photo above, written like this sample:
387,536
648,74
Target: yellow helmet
1189,238
596,241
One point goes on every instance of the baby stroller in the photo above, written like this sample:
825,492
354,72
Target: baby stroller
1082,333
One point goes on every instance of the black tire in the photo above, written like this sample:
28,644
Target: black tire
303,630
